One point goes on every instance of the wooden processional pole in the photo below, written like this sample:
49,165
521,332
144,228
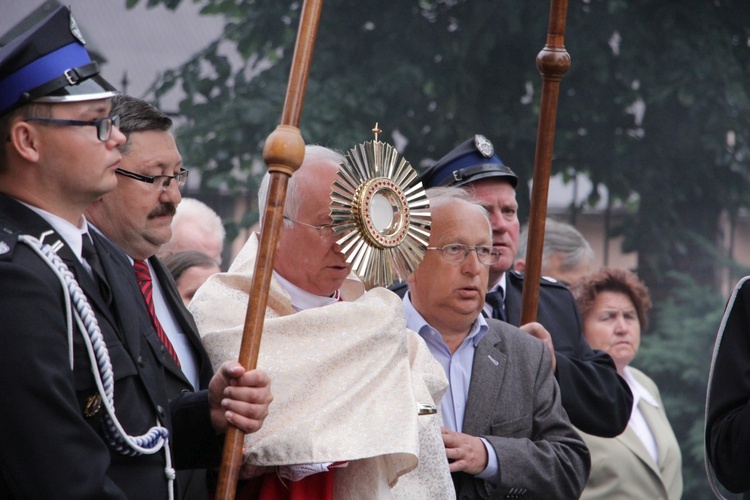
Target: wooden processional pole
283,153
553,61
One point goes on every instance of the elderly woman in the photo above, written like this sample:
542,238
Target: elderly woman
645,460
190,269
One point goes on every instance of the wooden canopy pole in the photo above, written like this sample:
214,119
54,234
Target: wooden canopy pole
553,61
283,153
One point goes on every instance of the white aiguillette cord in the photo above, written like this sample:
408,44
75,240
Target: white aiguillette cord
157,437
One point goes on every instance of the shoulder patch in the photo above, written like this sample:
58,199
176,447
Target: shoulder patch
550,281
8,240
513,272
543,281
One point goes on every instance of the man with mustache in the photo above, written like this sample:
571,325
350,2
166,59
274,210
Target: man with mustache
137,217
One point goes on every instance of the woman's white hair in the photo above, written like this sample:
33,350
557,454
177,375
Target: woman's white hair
563,240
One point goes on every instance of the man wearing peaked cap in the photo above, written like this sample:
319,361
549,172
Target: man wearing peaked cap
470,161
596,399
90,415
49,63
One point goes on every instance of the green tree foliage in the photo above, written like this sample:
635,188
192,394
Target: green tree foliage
437,72
654,92
687,64
655,107
676,353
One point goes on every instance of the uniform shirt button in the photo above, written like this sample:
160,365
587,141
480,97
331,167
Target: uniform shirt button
140,361
160,412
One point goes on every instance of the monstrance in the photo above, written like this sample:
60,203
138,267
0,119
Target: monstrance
381,213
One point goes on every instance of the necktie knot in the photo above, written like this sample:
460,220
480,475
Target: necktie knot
89,254
142,273
87,247
496,300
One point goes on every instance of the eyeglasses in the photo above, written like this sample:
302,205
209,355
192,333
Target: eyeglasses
158,181
325,231
457,254
103,125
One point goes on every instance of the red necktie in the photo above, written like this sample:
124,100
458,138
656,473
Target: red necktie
143,275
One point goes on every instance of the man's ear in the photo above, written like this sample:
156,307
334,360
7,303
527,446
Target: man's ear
24,138
410,279
520,265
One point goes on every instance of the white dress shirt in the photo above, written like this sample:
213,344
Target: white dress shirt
637,421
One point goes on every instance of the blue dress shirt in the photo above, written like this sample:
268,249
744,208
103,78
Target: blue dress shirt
457,368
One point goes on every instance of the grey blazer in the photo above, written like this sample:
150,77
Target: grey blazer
514,403
623,467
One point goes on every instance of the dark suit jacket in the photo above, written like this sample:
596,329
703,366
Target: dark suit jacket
176,380
192,483
597,399
514,403
728,405
50,449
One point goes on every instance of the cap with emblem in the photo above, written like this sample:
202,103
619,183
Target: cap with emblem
470,161
49,63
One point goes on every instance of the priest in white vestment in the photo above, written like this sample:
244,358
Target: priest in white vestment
347,374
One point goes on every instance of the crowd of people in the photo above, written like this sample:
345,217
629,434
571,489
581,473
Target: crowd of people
121,332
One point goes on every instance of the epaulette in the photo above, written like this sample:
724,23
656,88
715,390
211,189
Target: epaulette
544,281
8,240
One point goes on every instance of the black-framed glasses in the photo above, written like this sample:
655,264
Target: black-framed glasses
457,253
103,125
158,181
325,231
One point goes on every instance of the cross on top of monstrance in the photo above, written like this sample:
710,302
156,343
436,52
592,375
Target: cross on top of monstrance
376,131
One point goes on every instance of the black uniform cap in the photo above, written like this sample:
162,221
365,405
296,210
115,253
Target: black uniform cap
49,63
470,161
